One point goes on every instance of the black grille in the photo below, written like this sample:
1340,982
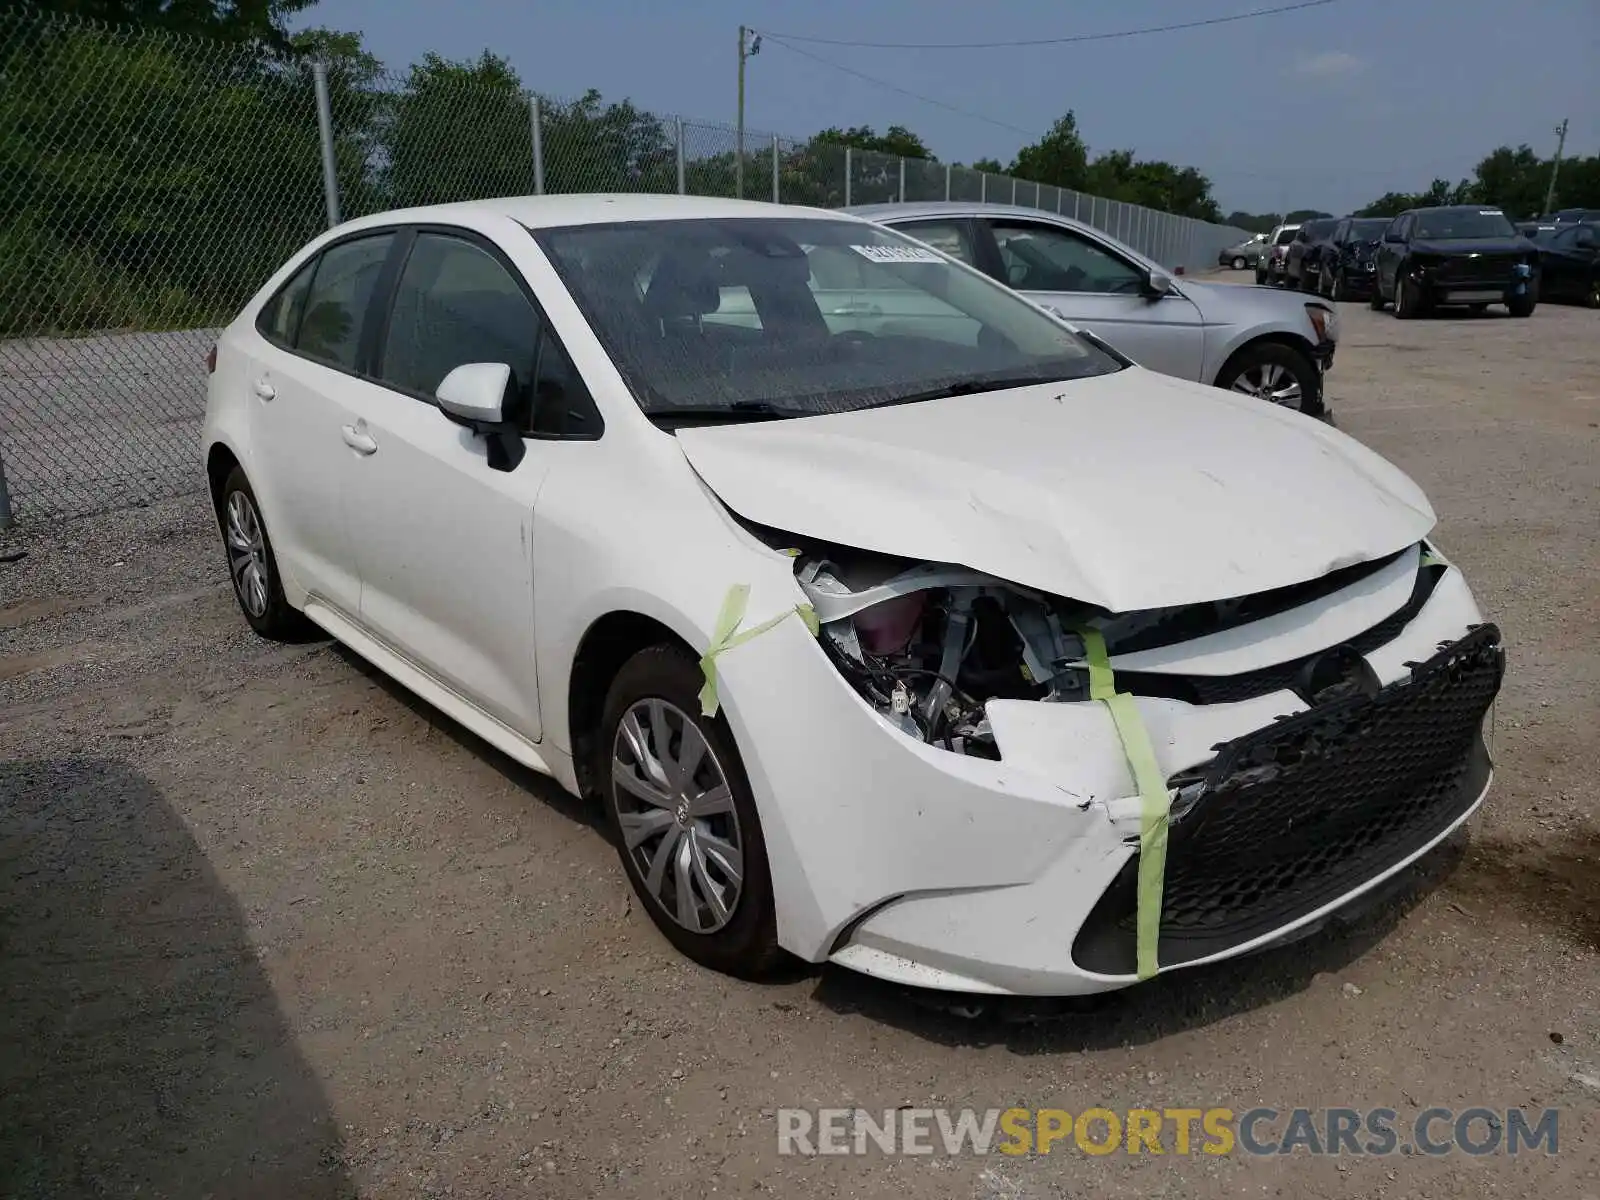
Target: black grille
1226,689
1289,817
1488,269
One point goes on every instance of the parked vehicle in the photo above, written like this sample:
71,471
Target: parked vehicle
1455,254
1302,261
1246,254
1351,258
823,595
1273,347
1270,268
1574,216
1569,264
1535,229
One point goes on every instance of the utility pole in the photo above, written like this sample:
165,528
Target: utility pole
749,45
1561,144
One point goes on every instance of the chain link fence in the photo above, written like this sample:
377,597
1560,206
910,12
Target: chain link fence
150,183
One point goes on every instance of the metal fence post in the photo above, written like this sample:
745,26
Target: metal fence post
677,131
984,194
330,168
847,173
5,498
775,169
536,128
902,181
947,182
1013,189
1077,199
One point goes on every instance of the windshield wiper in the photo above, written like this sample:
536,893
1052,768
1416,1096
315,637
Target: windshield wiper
737,410
972,387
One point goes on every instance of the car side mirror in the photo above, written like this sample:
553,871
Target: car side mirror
477,395
1157,284
1392,237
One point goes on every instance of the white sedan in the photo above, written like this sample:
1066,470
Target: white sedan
954,649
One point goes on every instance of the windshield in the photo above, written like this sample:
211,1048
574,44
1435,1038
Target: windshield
1286,235
799,316
1368,229
1447,224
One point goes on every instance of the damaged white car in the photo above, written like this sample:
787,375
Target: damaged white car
934,639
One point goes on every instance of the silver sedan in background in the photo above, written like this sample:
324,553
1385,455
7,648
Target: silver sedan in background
1255,340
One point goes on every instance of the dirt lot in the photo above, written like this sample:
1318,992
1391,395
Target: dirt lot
271,928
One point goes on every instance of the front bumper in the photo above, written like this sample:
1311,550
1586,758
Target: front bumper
1359,277
1462,287
938,870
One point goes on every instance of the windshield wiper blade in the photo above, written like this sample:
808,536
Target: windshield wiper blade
972,387
738,410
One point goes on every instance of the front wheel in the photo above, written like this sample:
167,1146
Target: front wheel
252,565
1522,306
1376,301
1276,373
1406,301
1261,277
683,817
1336,287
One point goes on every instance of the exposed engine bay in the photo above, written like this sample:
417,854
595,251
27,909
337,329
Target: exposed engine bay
929,645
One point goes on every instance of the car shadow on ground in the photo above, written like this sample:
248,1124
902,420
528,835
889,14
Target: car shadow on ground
537,784
1167,1005
142,1050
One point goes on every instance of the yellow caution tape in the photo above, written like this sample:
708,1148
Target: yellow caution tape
724,638
1152,786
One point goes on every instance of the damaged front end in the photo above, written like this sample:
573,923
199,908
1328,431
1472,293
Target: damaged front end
1304,759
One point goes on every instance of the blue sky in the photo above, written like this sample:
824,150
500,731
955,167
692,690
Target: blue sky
1327,107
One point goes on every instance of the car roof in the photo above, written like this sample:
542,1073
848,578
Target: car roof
1462,208
914,210
590,208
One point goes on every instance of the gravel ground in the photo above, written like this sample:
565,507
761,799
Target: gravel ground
271,928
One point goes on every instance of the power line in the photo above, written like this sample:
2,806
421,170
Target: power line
1060,41
777,39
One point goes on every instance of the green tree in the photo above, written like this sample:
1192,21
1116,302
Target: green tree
262,21
992,166
897,140
1059,158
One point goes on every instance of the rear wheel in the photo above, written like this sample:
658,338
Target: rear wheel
1592,297
1261,277
1276,373
252,565
680,808
1238,262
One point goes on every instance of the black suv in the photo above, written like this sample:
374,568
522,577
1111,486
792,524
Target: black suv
1303,263
1350,258
1458,254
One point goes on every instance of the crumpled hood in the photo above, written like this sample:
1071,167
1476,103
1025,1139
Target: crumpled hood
1128,491
1234,304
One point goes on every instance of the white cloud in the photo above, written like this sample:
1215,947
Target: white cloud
1335,64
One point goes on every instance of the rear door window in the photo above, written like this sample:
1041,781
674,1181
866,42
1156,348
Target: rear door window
336,303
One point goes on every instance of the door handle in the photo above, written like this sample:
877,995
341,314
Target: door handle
265,390
358,439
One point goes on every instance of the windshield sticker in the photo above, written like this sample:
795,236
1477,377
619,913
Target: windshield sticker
897,254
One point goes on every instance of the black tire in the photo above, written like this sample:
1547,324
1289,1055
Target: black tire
274,618
1304,282
1277,354
1238,263
1522,306
1261,277
1406,305
1376,301
746,946
1336,289
1592,296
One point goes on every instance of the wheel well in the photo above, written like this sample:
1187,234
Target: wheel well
609,642
1292,341
220,462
